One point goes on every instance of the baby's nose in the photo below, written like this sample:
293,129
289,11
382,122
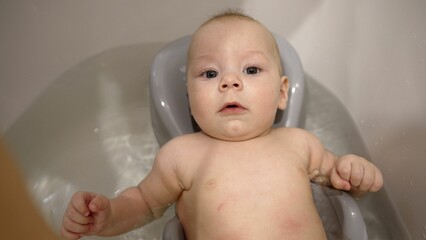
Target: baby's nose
231,82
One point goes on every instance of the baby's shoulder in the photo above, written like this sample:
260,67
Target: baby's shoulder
183,145
291,132
298,136
301,137
183,155
185,140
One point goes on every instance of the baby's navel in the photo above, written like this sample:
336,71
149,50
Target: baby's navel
211,184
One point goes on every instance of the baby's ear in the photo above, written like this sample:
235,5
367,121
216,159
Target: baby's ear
283,93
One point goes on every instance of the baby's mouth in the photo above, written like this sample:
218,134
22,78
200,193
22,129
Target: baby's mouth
232,108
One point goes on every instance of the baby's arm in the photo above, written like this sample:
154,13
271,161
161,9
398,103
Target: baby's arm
94,214
349,172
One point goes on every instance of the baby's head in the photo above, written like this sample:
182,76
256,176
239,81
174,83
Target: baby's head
234,78
237,16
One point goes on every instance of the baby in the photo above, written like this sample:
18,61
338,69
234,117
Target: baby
238,178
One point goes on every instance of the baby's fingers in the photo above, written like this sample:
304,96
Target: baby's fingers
80,202
357,173
343,169
99,204
101,212
66,234
76,216
75,224
366,179
73,230
365,176
338,182
352,169
378,181
361,174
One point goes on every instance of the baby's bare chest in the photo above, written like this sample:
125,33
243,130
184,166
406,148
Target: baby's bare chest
231,179
237,189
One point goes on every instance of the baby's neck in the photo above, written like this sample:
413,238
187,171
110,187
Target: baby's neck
238,138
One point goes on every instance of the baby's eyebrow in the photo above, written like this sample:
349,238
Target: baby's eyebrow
203,57
200,59
256,53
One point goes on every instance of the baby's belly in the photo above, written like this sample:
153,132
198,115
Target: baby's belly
253,210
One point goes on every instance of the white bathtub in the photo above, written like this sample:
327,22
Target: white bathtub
90,130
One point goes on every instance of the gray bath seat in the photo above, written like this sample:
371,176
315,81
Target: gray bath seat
170,117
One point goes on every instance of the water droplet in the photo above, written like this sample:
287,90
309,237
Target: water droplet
116,193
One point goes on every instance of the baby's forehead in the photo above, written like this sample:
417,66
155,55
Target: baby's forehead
233,22
232,26
226,25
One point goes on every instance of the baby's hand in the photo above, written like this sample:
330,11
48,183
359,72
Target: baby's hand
86,214
355,173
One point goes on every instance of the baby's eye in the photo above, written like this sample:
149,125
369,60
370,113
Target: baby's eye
210,74
252,70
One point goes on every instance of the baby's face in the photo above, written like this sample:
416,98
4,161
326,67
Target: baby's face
234,81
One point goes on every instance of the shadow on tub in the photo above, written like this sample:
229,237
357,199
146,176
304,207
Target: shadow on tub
171,117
